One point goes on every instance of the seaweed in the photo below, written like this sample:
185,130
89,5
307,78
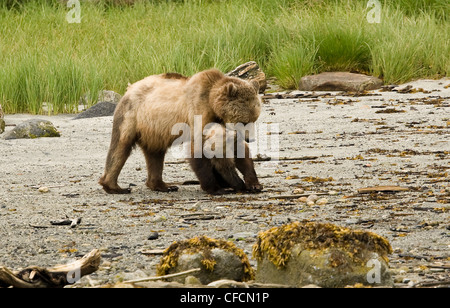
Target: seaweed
276,243
203,245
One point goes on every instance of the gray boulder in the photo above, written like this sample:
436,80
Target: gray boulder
32,129
101,109
326,255
109,96
105,106
339,81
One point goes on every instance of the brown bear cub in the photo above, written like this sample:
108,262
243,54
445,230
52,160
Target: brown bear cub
150,109
223,151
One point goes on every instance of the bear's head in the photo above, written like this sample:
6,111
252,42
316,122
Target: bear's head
234,100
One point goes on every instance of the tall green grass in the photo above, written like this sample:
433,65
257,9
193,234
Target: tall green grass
45,61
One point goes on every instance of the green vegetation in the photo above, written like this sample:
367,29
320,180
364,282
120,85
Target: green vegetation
45,59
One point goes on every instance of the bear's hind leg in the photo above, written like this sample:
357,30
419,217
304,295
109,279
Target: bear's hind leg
118,154
155,165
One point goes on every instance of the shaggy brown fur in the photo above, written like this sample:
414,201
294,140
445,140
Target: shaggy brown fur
151,107
218,173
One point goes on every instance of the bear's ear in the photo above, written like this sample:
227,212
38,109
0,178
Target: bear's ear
255,85
231,89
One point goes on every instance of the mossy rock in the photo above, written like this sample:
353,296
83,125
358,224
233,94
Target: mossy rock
326,255
2,126
2,122
217,259
32,129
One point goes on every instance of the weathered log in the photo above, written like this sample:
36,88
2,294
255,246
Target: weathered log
376,189
55,277
250,71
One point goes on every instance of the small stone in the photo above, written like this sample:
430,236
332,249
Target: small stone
322,201
153,236
158,218
298,191
313,198
242,235
303,199
44,189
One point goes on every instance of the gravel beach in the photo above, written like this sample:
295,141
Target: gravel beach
331,144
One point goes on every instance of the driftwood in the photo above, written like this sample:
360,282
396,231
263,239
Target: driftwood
156,278
391,189
55,277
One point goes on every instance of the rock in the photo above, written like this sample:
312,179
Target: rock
298,191
192,280
2,121
32,129
303,199
101,109
322,201
250,71
217,259
109,96
339,81
312,198
242,235
125,276
310,203
326,255
43,189
153,236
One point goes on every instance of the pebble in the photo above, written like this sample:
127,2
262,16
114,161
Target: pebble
153,236
322,201
310,203
44,189
298,191
242,235
303,199
158,218
312,198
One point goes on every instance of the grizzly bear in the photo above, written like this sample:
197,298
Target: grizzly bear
223,151
151,107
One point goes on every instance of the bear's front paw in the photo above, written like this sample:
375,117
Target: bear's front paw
253,187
